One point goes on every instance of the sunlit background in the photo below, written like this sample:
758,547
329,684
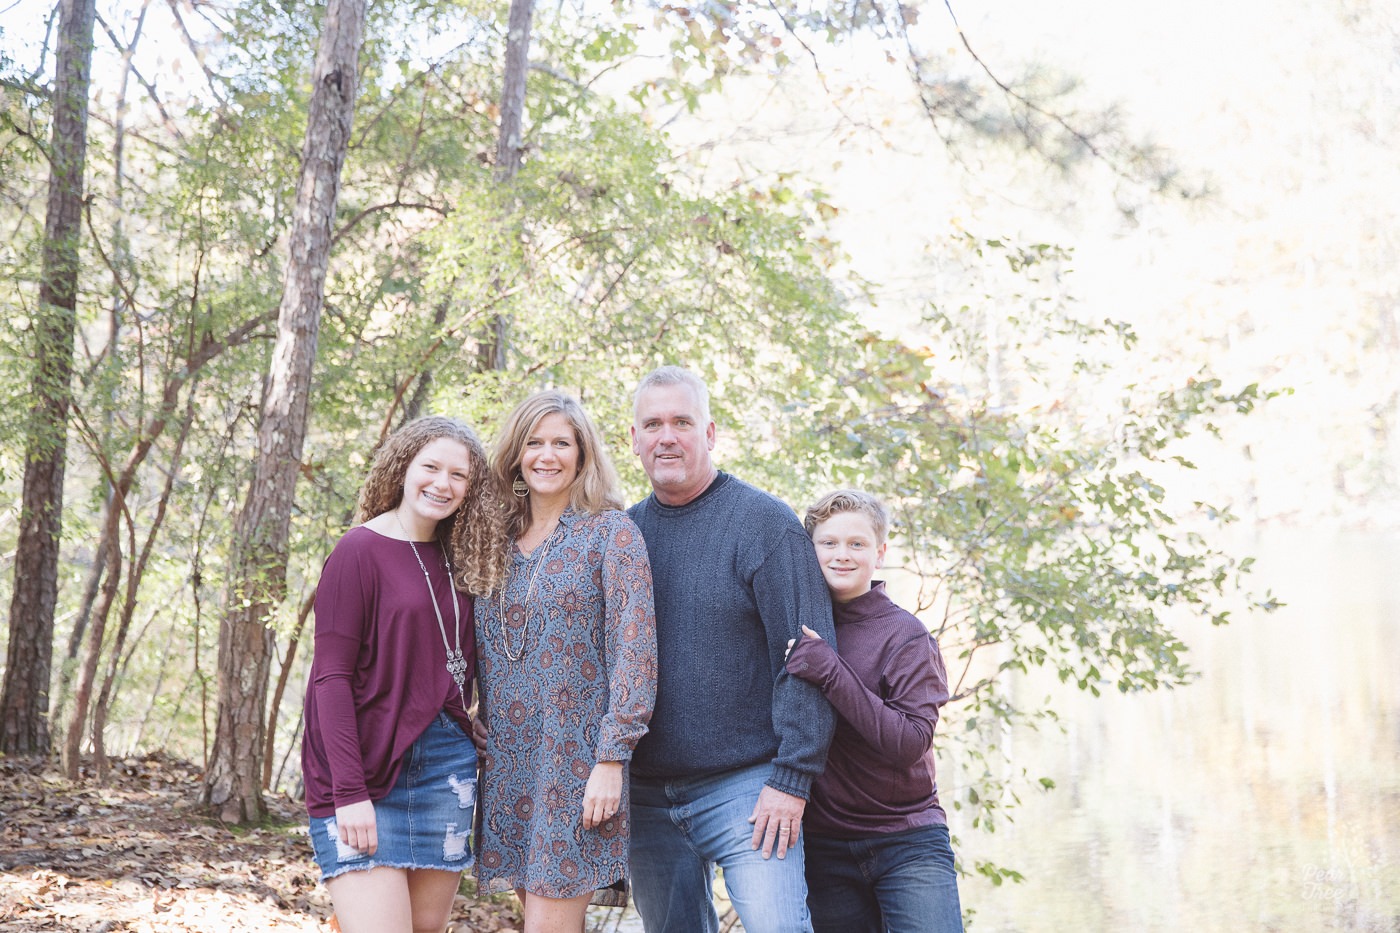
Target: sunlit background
1266,796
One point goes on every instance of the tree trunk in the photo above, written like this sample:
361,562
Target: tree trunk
138,563
24,699
233,783
87,670
510,145
68,666
510,149
279,691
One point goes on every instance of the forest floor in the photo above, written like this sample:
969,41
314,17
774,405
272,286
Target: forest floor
138,855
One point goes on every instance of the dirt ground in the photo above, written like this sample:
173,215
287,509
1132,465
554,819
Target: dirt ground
137,855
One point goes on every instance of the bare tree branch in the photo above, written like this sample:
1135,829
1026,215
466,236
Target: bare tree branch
214,81
390,205
128,51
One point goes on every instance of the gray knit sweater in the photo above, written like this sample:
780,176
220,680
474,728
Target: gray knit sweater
734,577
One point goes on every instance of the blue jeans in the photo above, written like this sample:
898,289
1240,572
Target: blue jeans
682,829
900,882
425,820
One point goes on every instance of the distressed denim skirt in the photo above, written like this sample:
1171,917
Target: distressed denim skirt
426,819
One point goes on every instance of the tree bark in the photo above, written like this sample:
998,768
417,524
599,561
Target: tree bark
24,699
92,653
510,144
280,690
510,149
233,782
137,571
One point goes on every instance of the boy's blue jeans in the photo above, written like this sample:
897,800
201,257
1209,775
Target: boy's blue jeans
900,882
682,829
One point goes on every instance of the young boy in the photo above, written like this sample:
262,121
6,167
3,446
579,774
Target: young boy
878,854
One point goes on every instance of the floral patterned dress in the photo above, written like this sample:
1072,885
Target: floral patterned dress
566,666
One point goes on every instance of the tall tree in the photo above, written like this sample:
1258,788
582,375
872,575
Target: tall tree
24,701
510,144
233,783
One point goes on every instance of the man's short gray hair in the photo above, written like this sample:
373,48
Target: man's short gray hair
675,376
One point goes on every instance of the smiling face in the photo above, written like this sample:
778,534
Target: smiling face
434,486
673,439
849,552
549,461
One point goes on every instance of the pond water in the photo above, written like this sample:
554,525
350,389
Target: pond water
1264,797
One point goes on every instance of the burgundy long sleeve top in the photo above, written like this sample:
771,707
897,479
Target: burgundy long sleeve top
886,685
379,673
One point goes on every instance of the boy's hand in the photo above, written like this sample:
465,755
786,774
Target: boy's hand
792,641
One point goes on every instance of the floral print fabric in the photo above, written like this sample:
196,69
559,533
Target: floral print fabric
566,663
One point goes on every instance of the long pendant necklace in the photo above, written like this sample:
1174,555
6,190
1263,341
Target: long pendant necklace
456,661
524,603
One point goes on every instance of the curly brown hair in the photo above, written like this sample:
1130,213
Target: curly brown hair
475,534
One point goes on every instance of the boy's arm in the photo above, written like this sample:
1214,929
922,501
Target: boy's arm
898,726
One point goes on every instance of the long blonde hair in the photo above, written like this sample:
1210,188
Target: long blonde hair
595,487
475,533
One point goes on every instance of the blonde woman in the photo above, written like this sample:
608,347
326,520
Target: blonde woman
389,769
567,652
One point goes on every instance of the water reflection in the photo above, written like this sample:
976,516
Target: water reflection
1264,797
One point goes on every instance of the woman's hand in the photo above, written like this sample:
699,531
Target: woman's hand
603,794
355,821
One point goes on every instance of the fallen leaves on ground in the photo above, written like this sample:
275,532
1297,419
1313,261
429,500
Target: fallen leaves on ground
138,855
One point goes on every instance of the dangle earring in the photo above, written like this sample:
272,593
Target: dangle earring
519,488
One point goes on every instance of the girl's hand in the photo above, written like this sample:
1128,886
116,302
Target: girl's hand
603,794
355,821
478,733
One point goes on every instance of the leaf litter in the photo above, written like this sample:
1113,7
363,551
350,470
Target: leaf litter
138,855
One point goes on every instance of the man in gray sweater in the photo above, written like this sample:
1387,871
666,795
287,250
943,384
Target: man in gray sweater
723,775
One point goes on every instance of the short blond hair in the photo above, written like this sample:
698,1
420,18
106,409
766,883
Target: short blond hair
849,500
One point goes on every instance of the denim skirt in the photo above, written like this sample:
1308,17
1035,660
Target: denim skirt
425,821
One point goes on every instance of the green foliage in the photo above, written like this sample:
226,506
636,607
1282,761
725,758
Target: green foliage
1035,517
1030,487
1036,530
605,264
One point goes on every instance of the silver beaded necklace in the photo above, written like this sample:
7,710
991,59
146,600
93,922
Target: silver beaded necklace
543,555
456,661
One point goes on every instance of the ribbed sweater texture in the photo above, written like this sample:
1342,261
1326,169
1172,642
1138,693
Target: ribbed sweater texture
734,578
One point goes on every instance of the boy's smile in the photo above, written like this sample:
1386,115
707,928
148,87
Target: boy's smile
849,554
